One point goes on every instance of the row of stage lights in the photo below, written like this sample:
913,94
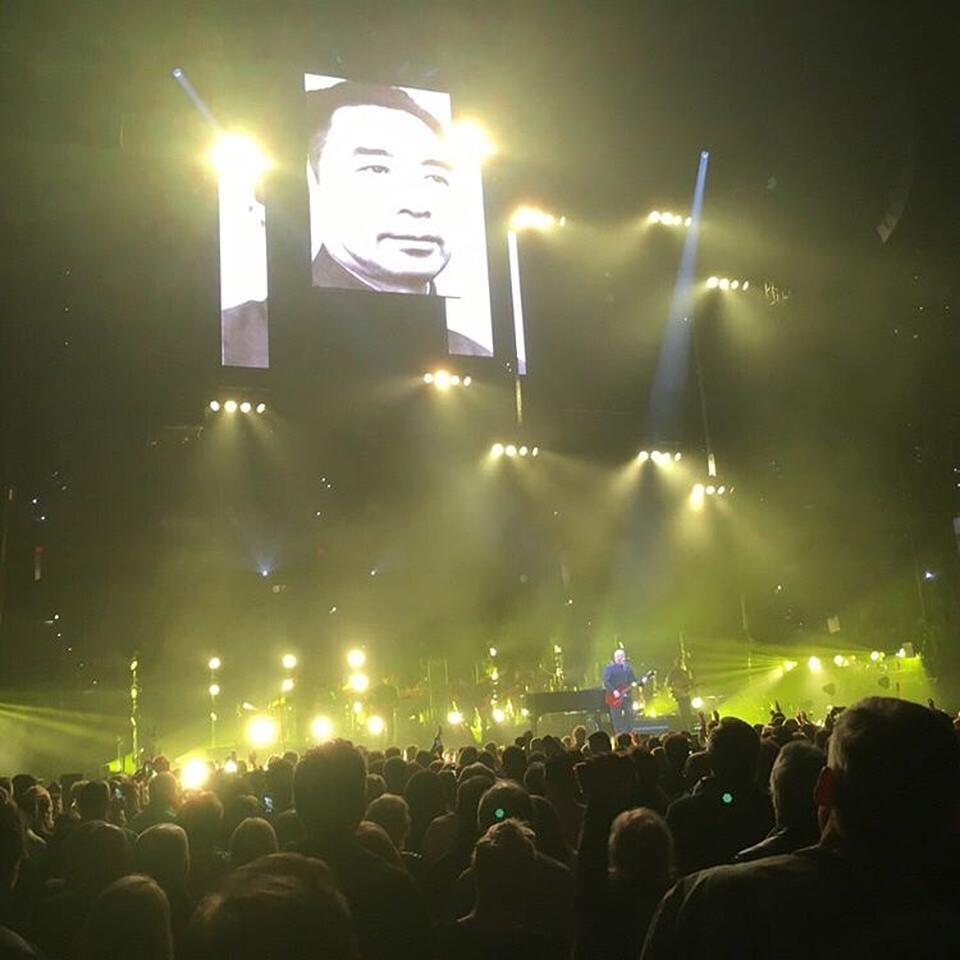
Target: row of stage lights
711,490
513,450
668,219
232,406
444,380
659,457
725,283
815,664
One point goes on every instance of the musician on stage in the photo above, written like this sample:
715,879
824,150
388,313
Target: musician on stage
619,680
681,685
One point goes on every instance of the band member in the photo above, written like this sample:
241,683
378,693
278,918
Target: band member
681,685
619,680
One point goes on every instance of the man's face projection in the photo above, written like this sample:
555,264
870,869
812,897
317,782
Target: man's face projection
385,197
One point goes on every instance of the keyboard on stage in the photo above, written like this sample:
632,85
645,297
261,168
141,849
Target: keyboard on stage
566,701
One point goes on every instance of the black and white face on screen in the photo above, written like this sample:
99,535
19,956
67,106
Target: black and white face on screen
383,194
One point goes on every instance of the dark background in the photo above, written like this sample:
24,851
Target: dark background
835,411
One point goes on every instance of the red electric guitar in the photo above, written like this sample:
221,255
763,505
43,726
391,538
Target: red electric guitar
615,697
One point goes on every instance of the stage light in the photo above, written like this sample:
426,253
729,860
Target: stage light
875,655
710,490
321,729
357,707
261,408
237,157
497,450
215,405
214,689
467,381
358,682
454,380
531,218
814,665
523,451
510,450
230,406
901,653
712,282
721,490
745,286
287,684
134,663
471,140
789,665
653,216
230,766
498,715
643,456
840,660
441,380
535,452
134,693
214,663
697,703
288,661
678,457
454,718
493,651
246,406
688,221
724,283
356,658
376,725
428,378
261,732
194,774
734,284
696,496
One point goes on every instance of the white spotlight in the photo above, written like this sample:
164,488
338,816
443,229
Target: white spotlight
734,284
214,405
535,452
497,450
654,216
724,283
710,490
643,456
428,378
230,406
746,285
246,406
510,450
261,408
467,380
712,282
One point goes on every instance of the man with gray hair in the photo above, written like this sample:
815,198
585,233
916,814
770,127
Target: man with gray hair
881,881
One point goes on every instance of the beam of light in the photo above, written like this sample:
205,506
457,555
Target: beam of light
321,729
471,141
238,158
261,732
194,774
516,299
356,658
669,383
188,88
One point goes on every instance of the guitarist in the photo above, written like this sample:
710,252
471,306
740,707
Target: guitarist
619,681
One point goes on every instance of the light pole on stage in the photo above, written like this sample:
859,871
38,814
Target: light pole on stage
524,218
213,665
134,709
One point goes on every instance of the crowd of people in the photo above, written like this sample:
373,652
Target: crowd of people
786,839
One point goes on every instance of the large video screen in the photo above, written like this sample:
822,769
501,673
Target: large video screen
395,205
243,275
